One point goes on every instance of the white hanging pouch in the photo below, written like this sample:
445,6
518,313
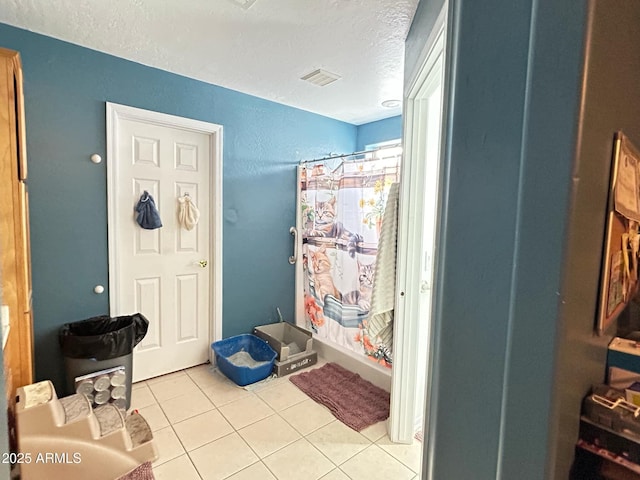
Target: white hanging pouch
188,213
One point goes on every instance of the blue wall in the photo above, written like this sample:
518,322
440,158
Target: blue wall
380,131
514,79
66,88
611,72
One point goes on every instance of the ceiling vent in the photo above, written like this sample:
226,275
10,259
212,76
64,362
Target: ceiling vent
321,77
246,4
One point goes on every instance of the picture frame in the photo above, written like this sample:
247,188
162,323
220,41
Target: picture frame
619,267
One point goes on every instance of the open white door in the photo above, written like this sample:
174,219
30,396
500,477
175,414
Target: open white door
417,240
171,274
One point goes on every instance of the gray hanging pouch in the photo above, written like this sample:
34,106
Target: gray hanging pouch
148,216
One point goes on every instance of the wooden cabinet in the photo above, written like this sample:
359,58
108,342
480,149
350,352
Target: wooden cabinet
15,264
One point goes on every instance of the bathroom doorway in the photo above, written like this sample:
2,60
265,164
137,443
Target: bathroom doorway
418,238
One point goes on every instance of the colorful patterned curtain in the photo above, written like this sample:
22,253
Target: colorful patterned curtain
342,208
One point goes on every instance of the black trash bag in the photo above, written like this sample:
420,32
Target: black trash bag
102,337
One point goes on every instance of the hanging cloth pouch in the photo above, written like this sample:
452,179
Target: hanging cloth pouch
148,216
188,213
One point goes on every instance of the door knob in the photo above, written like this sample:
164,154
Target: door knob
203,263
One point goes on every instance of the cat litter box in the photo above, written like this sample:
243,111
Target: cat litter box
245,359
292,344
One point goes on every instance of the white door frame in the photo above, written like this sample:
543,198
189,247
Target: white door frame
407,354
115,113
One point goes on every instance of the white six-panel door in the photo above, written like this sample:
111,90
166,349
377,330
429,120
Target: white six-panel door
165,273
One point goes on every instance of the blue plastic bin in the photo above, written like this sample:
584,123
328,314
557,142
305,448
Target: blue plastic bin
259,350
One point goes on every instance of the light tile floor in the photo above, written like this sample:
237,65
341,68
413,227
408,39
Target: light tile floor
207,428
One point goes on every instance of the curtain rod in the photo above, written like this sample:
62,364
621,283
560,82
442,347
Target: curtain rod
347,155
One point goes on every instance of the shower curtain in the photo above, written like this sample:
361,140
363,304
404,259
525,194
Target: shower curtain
342,208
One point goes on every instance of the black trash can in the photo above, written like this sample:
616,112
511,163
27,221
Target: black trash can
101,343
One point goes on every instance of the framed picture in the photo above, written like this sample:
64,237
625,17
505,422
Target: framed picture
619,271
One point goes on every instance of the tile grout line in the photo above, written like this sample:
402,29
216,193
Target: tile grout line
394,457
191,459
253,423
175,433
302,436
254,452
298,431
269,470
245,468
275,451
352,456
194,465
171,424
205,394
172,398
275,412
338,469
237,431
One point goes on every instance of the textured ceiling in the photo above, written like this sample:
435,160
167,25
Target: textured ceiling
262,50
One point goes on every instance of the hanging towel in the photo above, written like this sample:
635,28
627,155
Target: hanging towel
380,322
188,213
148,216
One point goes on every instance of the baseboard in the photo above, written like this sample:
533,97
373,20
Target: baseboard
378,375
